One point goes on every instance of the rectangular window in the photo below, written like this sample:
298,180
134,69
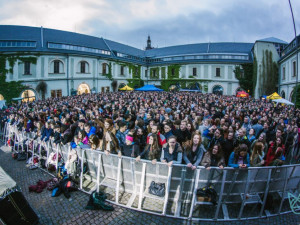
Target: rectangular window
146,73
56,93
283,73
173,72
122,70
26,68
154,73
163,72
294,69
82,67
218,72
53,93
103,68
56,67
194,71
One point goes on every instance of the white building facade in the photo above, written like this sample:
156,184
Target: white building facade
289,69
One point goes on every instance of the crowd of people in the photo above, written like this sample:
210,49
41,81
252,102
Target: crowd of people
173,128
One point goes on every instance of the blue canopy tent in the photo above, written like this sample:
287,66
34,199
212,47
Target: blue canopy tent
148,88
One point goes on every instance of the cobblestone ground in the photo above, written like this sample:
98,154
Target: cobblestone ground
71,211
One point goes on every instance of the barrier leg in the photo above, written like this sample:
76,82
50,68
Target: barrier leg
244,197
142,186
266,192
167,190
118,180
221,194
179,192
194,193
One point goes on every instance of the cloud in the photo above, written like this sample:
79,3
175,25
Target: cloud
169,22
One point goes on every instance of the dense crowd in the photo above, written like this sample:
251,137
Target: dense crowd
173,128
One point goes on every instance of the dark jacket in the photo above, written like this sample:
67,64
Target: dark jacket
130,150
47,133
176,156
194,157
145,154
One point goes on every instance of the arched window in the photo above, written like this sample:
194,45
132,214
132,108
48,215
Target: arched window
83,89
57,66
84,67
104,68
28,95
218,90
282,93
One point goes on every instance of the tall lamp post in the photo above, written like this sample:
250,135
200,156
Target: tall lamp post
296,39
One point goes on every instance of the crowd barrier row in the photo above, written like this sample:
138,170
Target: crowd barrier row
241,193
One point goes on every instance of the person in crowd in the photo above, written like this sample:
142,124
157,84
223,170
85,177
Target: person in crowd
258,128
182,134
47,132
217,138
240,157
57,135
161,138
94,142
262,139
89,130
275,153
258,154
242,138
80,139
214,157
247,125
110,143
152,150
172,153
251,136
193,152
130,149
121,133
168,130
228,146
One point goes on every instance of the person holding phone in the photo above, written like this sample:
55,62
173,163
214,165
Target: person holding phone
240,157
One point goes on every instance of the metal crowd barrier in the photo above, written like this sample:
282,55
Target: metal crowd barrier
241,193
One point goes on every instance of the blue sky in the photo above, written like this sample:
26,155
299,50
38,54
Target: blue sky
168,22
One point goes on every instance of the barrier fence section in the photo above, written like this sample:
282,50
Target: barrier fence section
241,193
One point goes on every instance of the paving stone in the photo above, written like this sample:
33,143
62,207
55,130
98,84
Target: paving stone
60,210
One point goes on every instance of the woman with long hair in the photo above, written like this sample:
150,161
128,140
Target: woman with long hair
110,143
214,157
151,151
240,157
257,156
193,152
261,138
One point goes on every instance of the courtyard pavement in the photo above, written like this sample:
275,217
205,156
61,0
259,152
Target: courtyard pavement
60,210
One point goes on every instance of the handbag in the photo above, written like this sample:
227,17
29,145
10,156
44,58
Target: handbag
157,189
208,192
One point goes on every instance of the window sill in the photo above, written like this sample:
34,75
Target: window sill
27,74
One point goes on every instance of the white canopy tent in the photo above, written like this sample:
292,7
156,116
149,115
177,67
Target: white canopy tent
2,103
283,101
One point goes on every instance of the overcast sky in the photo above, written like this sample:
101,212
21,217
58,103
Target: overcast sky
168,22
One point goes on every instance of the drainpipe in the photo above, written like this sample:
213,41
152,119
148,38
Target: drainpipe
68,75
